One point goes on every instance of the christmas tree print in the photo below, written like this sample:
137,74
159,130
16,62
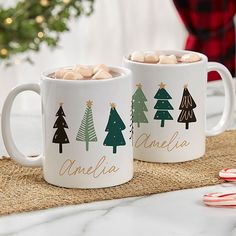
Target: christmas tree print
187,105
114,128
86,131
139,106
60,135
162,105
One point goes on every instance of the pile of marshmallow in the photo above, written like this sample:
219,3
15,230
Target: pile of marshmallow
153,57
81,72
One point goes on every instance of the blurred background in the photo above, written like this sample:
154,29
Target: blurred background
112,29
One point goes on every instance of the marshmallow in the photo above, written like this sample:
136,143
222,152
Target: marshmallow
72,76
85,71
137,56
151,57
100,67
78,76
167,59
102,74
60,73
191,57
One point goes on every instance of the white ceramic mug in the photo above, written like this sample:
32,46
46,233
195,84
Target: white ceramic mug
169,108
86,130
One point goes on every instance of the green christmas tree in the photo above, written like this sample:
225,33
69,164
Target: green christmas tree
163,105
114,128
60,135
139,106
86,131
187,105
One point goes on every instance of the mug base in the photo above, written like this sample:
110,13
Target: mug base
84,186
145,159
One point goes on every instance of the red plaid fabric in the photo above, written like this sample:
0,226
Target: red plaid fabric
211,30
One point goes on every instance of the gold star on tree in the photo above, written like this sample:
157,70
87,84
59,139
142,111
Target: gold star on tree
162,85
185,86
61,103
113,105
139,85
89,103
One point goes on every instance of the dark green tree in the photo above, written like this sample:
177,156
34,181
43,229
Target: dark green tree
86,131
139,106
187,105
114,128
162,105
60,135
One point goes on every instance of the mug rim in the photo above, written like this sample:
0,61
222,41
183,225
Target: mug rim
168,51
124,72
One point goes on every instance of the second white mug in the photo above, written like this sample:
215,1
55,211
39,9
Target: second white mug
169,108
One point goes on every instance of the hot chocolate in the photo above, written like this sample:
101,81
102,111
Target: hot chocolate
81,72
155,57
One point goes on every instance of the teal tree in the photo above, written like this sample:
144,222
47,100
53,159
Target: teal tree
187,105
60,124
139,106
86,131
162,105
114,128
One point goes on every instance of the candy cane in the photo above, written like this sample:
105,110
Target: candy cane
228,174
220,200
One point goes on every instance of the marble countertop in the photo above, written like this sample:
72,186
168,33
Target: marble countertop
179,213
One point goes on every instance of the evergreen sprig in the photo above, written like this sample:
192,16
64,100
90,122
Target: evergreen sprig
30,23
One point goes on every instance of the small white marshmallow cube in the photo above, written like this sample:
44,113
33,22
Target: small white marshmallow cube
72,76
60,73
190,57
102,74
137,56
85,71
151,57
163,59
100,67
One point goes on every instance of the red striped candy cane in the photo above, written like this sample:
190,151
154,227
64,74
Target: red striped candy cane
220,200
228,174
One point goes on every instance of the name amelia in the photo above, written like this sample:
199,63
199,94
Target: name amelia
72,168
146,141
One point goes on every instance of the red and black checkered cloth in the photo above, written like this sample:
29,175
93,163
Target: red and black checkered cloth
210,24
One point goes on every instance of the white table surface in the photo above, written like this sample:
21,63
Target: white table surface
179,213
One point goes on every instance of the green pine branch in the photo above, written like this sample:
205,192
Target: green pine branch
30,24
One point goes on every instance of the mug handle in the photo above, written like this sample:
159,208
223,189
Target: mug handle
229,104
6,128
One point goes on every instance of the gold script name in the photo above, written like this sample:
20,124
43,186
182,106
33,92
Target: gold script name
71,168
146,141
